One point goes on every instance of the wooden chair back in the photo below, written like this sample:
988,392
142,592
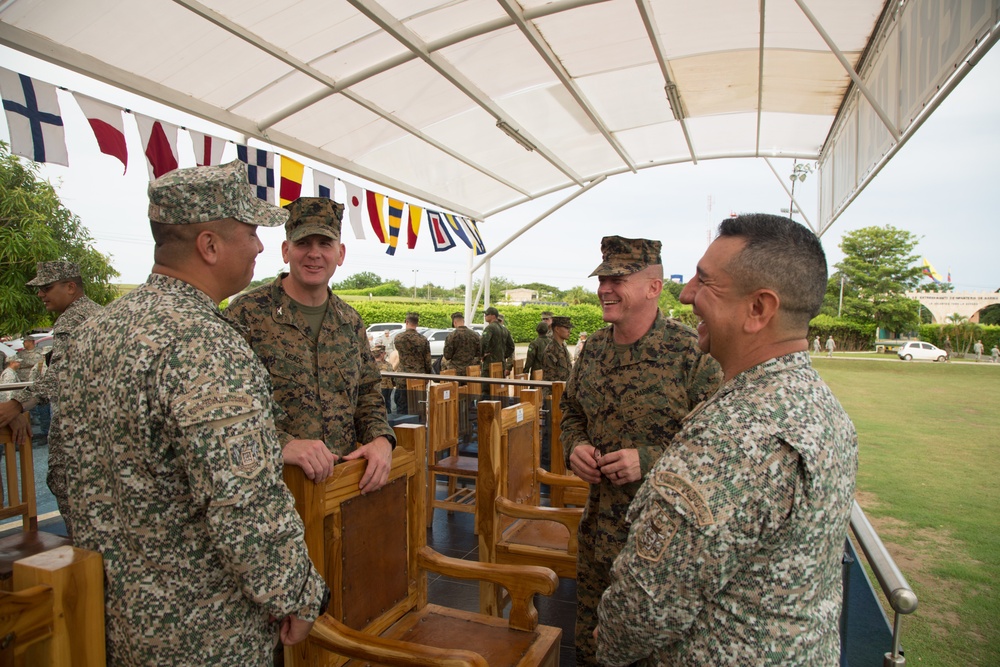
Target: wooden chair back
18,500
516,388
514,527
498,392
416,402
449,371
55,615
372,551
470,394
443,458
518,366
562,496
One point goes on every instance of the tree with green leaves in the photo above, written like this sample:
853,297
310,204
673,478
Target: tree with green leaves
878,268
36,227
362,280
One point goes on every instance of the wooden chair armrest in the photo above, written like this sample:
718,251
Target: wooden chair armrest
567,516
569,481
520,581
331,634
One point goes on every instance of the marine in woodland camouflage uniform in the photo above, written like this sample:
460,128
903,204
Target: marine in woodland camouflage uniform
556,364
315,348
461,347
623,404
414,357
734,552
533,360
491,343
60,287
174,466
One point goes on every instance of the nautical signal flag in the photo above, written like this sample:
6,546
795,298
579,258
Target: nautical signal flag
109,129
291,181
395,222
439,232
373,202
260,170
33,118
413,228
477,240
355,208
207,149
159,140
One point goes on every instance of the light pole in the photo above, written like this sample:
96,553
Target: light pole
840,306
415,283
799,172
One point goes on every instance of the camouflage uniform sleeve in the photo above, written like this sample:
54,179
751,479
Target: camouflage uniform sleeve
233,464
691,530
369,413
485,340
449,347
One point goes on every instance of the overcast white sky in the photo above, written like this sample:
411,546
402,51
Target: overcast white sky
941,186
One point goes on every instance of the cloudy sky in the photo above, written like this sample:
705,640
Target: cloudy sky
940,186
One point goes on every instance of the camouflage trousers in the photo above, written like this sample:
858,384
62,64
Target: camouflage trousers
56,477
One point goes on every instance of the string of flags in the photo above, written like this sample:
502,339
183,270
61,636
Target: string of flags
34,119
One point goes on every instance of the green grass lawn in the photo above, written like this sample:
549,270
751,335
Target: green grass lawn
929,480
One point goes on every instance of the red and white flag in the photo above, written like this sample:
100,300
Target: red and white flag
355,208
207,149
109,129
159,141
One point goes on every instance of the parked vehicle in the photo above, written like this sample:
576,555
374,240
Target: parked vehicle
437,338
915,349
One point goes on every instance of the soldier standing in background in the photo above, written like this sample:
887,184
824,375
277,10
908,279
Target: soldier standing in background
461,347
316,351
60,287
556,364
414,357
31,359
737,534
508,347
547,320
536,348
384,367
174,466
629,392
492,342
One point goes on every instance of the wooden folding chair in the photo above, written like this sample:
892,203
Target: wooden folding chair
18,499
513,526
416,404
443,457
498,392
372,551
562,496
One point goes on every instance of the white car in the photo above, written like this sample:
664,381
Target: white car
437,338
916,349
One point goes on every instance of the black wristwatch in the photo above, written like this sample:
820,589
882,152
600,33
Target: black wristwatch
325,602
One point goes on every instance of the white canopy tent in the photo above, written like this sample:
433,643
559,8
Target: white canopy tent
479,106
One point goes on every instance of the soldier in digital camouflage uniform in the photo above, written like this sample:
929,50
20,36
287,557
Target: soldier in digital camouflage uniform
556,364
384,366
174,466
533,359
734,554
316,351
30,356
32,359
414,357
491,342
627,396
60,287
461,347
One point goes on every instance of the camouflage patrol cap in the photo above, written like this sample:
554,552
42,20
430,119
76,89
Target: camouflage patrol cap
47,273
562,322
378,348
313,215
203,194
546,314
623,257
492,311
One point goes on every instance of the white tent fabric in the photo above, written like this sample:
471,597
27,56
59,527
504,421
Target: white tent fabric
480,105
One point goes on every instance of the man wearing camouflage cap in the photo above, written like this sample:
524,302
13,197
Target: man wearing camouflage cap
734,553
316,350
632,386
556,364
461,347
414,357
492,343
173,462
60,287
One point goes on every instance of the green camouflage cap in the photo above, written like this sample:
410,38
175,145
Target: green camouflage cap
623,257
51,272
562,322
492,311
546,314
379,347
202,194
313,215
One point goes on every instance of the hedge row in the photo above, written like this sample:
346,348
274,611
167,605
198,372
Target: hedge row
935,333
520,320
846,334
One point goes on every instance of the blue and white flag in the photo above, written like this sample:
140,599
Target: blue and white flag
477,240
33,118
260,170
439,232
